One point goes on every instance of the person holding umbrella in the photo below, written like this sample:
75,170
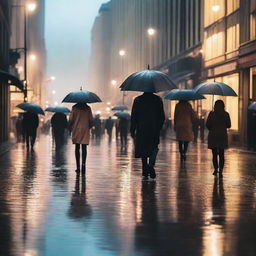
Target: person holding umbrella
147,115
217,123
80,123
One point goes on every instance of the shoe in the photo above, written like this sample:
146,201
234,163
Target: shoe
152,173
220,174
215,172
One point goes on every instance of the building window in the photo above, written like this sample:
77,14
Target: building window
233,32
215,41
213,11
253,25
232,5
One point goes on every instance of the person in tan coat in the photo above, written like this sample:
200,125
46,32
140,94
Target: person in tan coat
217,123
80,123
183,117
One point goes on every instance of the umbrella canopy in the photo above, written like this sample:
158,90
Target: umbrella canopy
123,115
148,81
58,109
31,108
183,95
215,88
82,96
120,108
252,106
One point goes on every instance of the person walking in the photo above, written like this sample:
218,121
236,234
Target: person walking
147,119
123,129
59,124
217,123
183,119
80,123
109,127
30,123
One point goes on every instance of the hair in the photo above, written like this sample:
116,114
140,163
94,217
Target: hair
219,106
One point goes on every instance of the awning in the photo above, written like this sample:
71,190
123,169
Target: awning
11,79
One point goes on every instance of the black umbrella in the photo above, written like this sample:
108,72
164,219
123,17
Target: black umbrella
81,96
58,109
119,108
148,81
183,95
123,115
31,108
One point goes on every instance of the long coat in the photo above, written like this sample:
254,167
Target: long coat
147,119
217,124
30,123
80,122
183,117
59,123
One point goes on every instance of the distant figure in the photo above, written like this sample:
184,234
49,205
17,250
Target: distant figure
117,128
146,123
217,123
123,126
97,126
30,123
183,118
109,126
80,123
18,127
59,124
202,128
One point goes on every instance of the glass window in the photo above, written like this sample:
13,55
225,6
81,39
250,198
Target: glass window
213,11
232,5
215,42
232,32
253,20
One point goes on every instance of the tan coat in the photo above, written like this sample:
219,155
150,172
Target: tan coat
183,117
80,122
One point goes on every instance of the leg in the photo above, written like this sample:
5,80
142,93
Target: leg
152,161
215,160
145,167
27,139
33,138
181,149
221,160
185,149
84,154
77,153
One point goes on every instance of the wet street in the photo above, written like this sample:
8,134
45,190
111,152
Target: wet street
46,210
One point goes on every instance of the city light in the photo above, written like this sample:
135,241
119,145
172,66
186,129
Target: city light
53,92
20,69
56,103
98,112
107,109
108,103
31,7
52,78
122,52
47,102
113,82
151,31
32,57
215,8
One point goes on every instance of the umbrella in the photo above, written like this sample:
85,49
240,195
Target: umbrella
148,81
123,115
252,106
215,88
120,108
58,109
82,96
31,108
183,95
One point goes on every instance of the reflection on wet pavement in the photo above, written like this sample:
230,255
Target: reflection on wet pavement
47,210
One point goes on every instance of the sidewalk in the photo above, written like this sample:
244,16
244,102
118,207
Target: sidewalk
6,146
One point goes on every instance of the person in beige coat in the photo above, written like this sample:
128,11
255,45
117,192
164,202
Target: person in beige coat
183,117
80,123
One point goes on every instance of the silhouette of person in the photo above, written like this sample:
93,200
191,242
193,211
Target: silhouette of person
30,123
80,123
109,127
123,129
97,126
147,119
59,124
217,123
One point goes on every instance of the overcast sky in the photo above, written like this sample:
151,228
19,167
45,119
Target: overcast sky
67,35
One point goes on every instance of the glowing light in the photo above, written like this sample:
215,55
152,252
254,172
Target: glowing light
47,102
52,78
20,69
113,82
53,92
31,7
108,103
98,112
56,103
107,109
32,57
122,52
151,31
216,8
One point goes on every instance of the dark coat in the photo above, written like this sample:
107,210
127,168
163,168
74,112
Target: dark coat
217,124
30,122
146,122
59,122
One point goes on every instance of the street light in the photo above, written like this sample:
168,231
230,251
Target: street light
53,92
216,8
113,82
32,57
122,53
151,31
31,7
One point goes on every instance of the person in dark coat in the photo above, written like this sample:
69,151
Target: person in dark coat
123,126
217,123
59,125
109,127
30,123
97,126
147,119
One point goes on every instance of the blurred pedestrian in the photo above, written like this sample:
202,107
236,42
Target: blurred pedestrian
183,118
97,126
146,123
18,127
59,124
109,127
123,126
80,123
30,123
217,123
195,125
202,128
